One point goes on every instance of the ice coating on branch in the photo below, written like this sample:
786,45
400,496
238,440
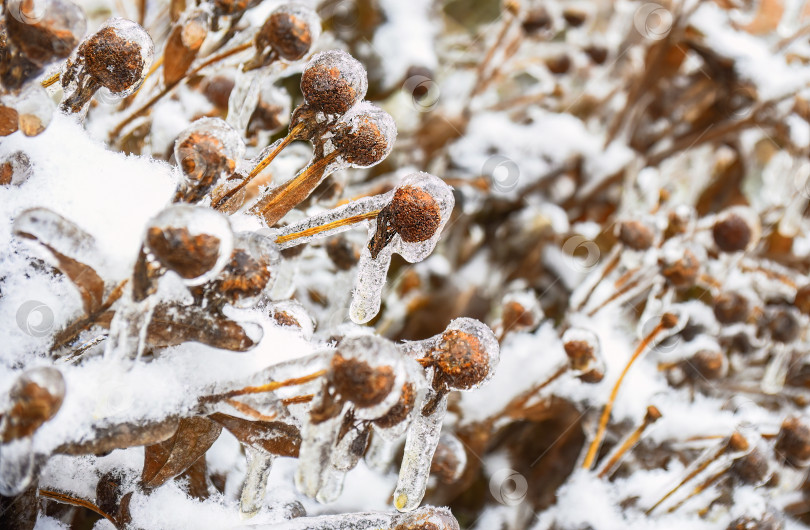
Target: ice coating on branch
410,225
248,275
420,444
297,233
194,242
363,381
114,60
425,518
333,81
206,152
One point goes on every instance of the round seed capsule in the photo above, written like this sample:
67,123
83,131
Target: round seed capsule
466,354
290,31
117,56
793,442
735,230
365,135
333,81
44,30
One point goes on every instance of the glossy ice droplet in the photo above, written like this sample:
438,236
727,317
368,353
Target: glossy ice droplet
450,458
314,456
371,276
420,444
442,194
206,152
244,98
333,81
469,333
194,242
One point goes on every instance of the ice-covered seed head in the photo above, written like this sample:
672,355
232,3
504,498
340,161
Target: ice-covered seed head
793,442
736,229
248,273
205,152
363,384
584,354
333,81
365,136
466,354
415,214
731,307
635,235
752,468
117,56
449,460
35,398
682,271
290,31
706,364
196,243
44,30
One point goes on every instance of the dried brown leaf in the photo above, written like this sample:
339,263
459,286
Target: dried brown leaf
196,476
176,324
172,457
51,230
275,437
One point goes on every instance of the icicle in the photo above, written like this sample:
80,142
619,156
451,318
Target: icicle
259,464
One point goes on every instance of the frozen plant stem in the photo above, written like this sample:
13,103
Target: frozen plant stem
668,321
269,387
260,462
287,140
735,442
652,415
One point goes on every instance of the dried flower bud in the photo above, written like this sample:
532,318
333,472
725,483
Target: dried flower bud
39,32
449,460
206,152
782,325
35,398
751,468
183,43
8,120
362,384
707,364
635,235
196,243
681,272
735,230
520,312
793,442
365,136
115,58
333,81
289,31
584,354
731,307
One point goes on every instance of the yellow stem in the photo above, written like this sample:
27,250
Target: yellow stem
269,387
603,420
328,226
261,166
652,416
51,80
